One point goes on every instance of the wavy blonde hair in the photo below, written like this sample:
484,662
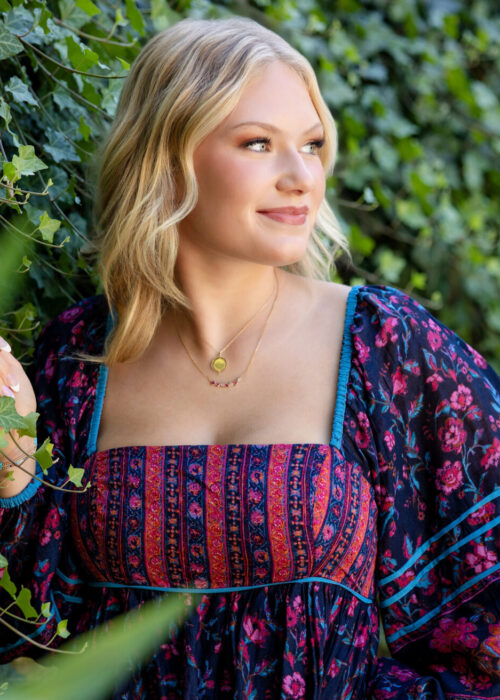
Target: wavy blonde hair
184,82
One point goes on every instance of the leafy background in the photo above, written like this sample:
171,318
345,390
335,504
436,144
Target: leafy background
412,84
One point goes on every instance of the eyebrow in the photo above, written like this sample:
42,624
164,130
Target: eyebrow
271,127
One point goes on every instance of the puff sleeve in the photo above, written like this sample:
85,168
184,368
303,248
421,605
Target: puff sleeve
34,526
433,445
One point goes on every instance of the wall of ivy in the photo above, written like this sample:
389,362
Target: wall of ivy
414,87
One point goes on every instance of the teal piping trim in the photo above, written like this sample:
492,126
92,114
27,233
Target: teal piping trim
56,609
99,397
73,581
418,552
344,369
27,493
426,569
310,579
70,598
432,613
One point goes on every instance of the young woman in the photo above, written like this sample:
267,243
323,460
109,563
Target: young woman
304,454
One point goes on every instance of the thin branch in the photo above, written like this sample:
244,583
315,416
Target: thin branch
20,191
37,644
30,237
5,611
75,94
18,331
66,68
91,36
42,481
354,205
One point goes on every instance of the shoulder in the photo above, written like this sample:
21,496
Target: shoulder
391,329
81,327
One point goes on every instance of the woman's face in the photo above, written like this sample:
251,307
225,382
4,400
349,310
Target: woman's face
260,176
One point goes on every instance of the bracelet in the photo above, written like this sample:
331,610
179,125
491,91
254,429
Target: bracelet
17,463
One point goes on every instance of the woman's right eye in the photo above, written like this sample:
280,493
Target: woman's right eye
257,142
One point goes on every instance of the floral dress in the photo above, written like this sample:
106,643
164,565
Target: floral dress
294,551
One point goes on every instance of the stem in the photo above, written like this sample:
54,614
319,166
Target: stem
91,36
66,68
37,644
18,617
34,476
77,95
27,235
21,191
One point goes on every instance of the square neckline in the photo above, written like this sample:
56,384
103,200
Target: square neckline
338,414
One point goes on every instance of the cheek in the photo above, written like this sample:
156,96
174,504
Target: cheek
229,179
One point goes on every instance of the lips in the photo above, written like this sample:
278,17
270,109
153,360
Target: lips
287,215
294,211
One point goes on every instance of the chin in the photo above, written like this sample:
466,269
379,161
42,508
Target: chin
289,255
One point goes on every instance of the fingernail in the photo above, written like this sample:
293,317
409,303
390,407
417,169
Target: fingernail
7,392
12,383
4,345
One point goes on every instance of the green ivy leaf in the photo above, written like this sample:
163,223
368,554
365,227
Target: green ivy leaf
20,91
360,242
3,562
84,129
27,163
23,601
48,227
10,171
135,17
46,611
75,475
29,427
60,148
62,629
9,418
9,44
82,58
5,112
8,584
26,263
43,455
88,7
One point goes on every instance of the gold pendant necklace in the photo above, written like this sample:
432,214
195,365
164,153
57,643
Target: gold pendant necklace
219,363
234,382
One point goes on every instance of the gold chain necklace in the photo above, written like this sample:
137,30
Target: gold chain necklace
234,382
219,363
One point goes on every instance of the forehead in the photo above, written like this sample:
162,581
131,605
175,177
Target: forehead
277,95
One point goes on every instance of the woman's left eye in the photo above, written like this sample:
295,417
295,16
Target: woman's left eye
315,145
261,145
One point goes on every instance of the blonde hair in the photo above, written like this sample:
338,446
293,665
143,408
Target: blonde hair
184,82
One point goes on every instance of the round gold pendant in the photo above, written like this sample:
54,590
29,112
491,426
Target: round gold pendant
219,364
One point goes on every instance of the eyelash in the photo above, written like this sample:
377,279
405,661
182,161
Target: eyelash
318,144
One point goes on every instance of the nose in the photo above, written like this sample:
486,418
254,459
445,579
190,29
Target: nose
295,173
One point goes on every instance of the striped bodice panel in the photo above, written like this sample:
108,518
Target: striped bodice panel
225,516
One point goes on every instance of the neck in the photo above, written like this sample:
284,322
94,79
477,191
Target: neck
222,298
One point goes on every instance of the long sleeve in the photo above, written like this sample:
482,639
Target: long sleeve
34,526
433,439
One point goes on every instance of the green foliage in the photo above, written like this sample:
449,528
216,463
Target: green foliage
109,653
413,87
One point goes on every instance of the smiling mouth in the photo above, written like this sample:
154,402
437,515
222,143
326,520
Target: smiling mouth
285,217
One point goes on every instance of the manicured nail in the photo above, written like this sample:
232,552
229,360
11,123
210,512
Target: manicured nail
12,382
7,392
4,345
